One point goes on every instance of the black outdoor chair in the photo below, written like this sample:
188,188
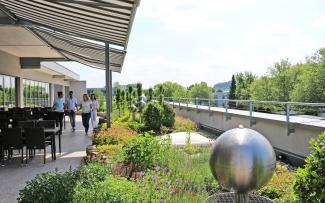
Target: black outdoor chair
3,123
50,124
52,116
12,139
26,124
35,139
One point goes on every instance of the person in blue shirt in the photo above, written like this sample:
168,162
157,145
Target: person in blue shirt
71,107
59,108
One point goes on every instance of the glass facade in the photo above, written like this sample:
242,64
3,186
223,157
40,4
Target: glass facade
7,91
36,94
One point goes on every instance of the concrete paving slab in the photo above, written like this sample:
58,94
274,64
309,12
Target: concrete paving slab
179,139
13,175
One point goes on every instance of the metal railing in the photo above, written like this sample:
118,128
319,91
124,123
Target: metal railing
232,104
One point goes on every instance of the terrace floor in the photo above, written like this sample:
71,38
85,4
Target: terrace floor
13,175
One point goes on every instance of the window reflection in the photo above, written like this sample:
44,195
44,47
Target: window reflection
36,93
7,91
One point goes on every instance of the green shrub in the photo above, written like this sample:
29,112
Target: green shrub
280,187
152,116
184,124
309,185
168,115
114,135
49,187
143,152
91,173
111,190
136,126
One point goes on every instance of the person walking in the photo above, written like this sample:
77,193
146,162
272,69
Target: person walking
94,111
86,107
71,107
59,108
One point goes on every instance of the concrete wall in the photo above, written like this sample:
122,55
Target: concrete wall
79,88
275,131
10,65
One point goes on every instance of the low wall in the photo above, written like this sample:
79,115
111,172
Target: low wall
294,145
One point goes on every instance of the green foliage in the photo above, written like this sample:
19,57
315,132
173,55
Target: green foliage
118,99
170,89
152,116
284,77
311,85
232,92
101,100
280,187
139,90
143,153
310,181
183,124
111,190
243,83
49,187
136,126
150,97
168,115
201,90
92,173
113,135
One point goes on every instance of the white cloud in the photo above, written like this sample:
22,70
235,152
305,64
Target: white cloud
319,22
189,15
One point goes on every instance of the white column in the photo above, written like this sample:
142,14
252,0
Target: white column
52,96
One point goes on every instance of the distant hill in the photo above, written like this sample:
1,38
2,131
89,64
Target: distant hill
223,86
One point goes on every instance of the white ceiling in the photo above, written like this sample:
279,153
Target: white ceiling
20,42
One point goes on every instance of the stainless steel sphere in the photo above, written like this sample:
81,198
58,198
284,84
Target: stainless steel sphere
242,159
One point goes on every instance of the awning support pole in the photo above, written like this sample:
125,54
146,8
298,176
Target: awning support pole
108,86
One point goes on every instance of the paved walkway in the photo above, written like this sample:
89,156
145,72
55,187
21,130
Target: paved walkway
14,175
180,138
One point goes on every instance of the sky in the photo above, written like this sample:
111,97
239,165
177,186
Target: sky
189,41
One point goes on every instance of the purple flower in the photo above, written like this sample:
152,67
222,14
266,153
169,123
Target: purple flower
158,188
160,201
154,178
168,183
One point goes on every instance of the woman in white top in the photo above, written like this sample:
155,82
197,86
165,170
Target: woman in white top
94,112
86,107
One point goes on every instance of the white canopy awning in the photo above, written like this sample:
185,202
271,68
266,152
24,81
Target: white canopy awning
82,51
65,24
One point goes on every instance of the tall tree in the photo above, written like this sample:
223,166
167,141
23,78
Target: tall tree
243,82
232,92
201,90
139,91
150,96
130,91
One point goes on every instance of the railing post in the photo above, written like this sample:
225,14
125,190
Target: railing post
187,104
290,128
179,103
227,114
209,106
251,119
173,102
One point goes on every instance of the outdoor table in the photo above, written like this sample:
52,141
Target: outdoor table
49,132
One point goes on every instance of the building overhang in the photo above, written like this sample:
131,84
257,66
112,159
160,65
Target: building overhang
71,30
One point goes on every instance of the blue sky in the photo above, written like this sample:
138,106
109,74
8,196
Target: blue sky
189,41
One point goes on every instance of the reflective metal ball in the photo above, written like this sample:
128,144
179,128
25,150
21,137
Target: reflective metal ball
242,159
